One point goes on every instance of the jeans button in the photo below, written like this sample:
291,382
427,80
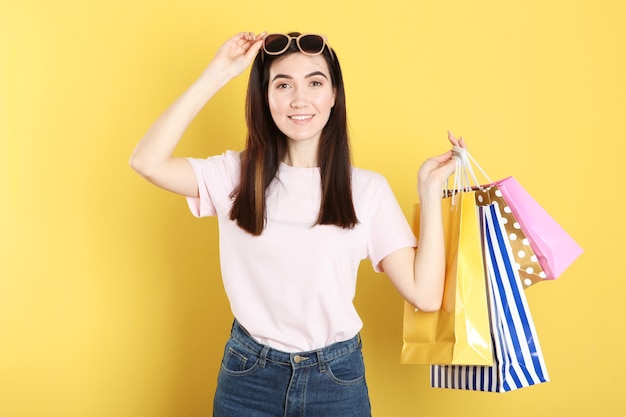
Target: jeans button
298,358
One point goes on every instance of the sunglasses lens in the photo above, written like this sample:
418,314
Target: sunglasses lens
275,44
311,44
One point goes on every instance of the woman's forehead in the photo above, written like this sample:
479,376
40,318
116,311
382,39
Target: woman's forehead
298,64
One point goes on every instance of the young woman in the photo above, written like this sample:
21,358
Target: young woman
295,219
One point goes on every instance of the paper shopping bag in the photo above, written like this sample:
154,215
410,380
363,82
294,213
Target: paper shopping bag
526,261
459,332
555,249
518,360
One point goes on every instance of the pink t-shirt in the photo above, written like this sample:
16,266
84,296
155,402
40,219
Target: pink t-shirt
293,286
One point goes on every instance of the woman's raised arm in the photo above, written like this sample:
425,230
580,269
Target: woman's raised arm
152,157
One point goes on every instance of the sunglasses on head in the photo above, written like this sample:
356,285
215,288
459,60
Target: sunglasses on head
308,44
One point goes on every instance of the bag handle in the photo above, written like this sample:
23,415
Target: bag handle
466,163
464,176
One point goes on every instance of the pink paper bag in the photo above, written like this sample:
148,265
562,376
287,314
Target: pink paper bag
554,248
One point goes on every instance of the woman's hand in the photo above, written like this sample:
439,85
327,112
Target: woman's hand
236,54
434,172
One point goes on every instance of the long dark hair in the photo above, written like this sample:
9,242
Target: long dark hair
266,147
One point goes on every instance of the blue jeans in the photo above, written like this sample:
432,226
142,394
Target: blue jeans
258,381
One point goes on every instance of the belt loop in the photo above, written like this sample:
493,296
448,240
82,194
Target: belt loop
263,356
321,362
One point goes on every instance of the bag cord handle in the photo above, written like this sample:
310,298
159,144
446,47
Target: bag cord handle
464,173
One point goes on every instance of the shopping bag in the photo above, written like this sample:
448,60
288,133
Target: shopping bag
526,261
553,246
518,360
459,332
555,249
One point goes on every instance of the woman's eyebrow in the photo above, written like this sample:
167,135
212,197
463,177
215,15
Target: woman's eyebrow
314,73
289,77
281,76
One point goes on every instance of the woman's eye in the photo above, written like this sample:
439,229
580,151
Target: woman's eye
282,85
316,83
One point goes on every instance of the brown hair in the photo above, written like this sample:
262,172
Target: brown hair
266,146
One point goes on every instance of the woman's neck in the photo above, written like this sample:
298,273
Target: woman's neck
301,154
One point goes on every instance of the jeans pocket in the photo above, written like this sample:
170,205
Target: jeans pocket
238,361
348,369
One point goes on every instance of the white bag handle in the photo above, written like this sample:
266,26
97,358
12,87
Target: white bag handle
464,173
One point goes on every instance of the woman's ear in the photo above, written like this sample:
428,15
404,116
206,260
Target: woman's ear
334,96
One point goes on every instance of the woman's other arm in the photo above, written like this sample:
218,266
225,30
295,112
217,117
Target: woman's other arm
419,274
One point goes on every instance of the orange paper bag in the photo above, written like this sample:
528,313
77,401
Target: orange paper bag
459,333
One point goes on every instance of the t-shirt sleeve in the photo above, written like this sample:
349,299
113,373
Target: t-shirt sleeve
389,229
217,176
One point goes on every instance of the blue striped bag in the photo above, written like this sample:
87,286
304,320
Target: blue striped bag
518,361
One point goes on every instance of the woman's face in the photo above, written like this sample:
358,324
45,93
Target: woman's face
300,96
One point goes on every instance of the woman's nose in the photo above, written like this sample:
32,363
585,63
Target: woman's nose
298,99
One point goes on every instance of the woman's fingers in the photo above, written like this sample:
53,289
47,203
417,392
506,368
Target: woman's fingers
456,142
453,140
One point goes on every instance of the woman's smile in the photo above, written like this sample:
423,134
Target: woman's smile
301,117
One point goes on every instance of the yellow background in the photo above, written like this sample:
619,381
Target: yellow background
110,298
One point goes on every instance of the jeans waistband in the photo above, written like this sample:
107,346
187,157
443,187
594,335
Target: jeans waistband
317,357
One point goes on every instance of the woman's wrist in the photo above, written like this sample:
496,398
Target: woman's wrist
215,76
428,193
